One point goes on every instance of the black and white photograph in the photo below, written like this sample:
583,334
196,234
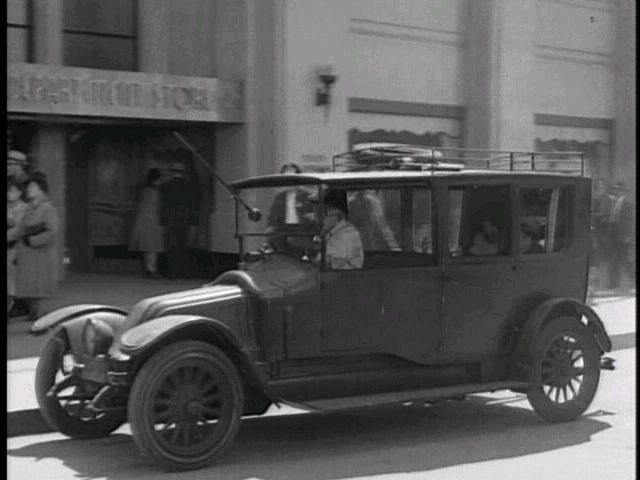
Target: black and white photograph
321,239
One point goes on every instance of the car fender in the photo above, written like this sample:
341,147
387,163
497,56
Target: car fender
547,310
65,314
143,340
72,319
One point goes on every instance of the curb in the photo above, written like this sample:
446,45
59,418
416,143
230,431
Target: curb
31,422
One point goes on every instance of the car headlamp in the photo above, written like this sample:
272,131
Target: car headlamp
97,336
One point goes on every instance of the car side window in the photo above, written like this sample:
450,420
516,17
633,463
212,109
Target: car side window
479,221
544,219
376,215
395,226
423,221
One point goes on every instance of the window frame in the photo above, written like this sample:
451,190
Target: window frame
509,225
568,207
407,226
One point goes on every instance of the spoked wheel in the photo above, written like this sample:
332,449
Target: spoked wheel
66,411
186,405
566,371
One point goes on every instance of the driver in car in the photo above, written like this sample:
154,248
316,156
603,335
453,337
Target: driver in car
342,240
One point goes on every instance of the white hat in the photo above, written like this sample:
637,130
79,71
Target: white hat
14,156
177,167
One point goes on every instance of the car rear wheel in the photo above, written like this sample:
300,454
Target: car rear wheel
185,405
66,411
566,370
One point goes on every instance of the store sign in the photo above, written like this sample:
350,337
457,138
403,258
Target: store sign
58,90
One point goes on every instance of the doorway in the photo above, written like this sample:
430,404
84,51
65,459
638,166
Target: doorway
106,170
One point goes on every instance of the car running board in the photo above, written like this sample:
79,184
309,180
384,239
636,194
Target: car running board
424,395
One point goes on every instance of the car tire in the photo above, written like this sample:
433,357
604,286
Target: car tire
66,417
186,405
565,370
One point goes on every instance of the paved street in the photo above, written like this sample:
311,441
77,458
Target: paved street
489,436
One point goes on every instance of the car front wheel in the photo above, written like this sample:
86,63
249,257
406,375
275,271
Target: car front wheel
185,405
63,397
566,370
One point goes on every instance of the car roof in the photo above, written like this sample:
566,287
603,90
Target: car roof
333,178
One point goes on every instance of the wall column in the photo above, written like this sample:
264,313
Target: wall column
48,151
153,38
498,67
235,145
624,166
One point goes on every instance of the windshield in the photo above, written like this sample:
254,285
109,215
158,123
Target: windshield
288,216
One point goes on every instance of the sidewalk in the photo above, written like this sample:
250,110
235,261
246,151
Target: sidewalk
118,290
23,417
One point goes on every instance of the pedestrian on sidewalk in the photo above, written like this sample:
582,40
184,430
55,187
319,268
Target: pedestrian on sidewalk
16,208
290,213
620,222
146,233
37,257
180,213
599,234
17,170
17,166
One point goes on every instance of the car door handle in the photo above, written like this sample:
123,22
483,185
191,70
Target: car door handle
451,280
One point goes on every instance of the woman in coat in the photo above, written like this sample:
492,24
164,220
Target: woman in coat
146,233
38,265
15,212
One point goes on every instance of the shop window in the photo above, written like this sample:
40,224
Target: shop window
99,34
396,226
544,219
18,31
93,51
115,17
478,222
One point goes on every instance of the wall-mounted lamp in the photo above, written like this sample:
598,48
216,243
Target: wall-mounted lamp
328,78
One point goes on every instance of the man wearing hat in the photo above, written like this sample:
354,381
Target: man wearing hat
343,245
17,166
179,216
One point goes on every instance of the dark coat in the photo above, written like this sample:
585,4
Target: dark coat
38,265
180,203
146,232
15,214
621,219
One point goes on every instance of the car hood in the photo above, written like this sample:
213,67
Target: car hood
194,299
274,276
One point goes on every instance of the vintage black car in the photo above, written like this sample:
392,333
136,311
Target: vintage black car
471,276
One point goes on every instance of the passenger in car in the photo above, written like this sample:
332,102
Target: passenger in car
486,240
529,234
343,245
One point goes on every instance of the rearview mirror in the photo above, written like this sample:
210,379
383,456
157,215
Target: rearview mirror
254,214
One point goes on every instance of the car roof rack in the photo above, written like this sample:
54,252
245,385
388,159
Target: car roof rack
398,156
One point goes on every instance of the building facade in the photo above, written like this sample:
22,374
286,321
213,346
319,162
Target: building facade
96,89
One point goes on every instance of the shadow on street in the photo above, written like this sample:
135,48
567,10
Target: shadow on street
322,446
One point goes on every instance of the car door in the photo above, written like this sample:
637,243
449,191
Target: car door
412,283
549,220
351,301
351,309
479,269
393,304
